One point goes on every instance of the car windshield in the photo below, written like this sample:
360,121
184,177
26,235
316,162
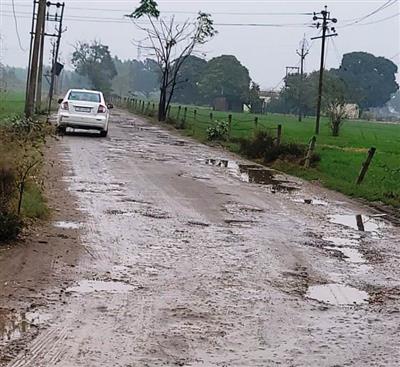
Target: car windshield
84,96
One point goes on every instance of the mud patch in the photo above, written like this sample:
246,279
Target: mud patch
358,222
14,325
92,286
337,294
67,224
311,201
348,247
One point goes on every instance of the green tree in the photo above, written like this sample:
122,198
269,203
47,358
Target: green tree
370,80
95,62
255,102
172,43
189,77
226,77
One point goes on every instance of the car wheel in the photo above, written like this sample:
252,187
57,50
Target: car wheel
103,133
61,130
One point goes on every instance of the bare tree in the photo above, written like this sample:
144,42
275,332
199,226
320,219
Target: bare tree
171,43
336,110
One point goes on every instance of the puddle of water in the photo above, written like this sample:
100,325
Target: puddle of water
359,222
337,294
91,286
13,325
67,225
312,201
252,173
351,254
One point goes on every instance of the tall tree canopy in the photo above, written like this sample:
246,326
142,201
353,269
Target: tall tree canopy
225,76
95,62
370,80
135,77
171,43
189,77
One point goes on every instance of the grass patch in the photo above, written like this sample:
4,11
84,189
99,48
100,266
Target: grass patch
33,203
12,104
341,157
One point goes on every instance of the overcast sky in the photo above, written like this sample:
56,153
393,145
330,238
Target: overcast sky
265,50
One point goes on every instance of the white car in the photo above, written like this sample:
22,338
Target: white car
83,109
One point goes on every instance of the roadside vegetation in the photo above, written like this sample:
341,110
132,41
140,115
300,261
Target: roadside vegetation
21,158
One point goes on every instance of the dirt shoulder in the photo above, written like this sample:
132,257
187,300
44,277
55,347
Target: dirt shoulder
33,269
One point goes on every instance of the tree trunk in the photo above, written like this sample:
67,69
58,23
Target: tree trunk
162,113
335,128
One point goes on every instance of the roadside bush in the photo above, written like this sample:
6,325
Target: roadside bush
21,142
263,146
219,131
10,226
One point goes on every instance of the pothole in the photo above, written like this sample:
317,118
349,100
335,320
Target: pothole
311,201
347,247
253,173
358,222
91,286
337,294
67,224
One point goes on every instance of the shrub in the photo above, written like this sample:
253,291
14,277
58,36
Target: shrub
256,147
263,146
219,131
10,226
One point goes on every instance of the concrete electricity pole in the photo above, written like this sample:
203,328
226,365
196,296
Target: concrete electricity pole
56,50
302,53
34,60
324,15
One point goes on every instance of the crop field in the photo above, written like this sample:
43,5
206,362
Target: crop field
11,104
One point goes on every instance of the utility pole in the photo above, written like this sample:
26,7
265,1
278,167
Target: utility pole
290,70
34,61
324,15
40,70
59,19
302,53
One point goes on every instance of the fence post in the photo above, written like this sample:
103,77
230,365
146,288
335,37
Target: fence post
365,165
179,112
279,135
142,109
184,117
229,124
310,151
255,122
194,114
211,117
152,109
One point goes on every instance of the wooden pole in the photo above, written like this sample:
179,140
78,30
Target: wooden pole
211,117
179,112
310,151
365,165
195,115
278,135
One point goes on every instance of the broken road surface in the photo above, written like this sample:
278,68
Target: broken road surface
189,256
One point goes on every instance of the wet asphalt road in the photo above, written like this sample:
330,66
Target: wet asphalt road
188,264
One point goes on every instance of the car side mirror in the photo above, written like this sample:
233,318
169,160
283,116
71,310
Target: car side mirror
60,100
110,106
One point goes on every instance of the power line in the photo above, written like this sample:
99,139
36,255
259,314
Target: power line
379,9
117,20
16,27
123,11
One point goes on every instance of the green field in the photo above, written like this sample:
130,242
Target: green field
11,104
341,157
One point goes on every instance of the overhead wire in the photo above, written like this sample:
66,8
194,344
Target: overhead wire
16,27
379,9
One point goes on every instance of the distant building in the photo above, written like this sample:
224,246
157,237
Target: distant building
352,111
266,96
227,104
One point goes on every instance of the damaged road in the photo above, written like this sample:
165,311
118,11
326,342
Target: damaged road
182,254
